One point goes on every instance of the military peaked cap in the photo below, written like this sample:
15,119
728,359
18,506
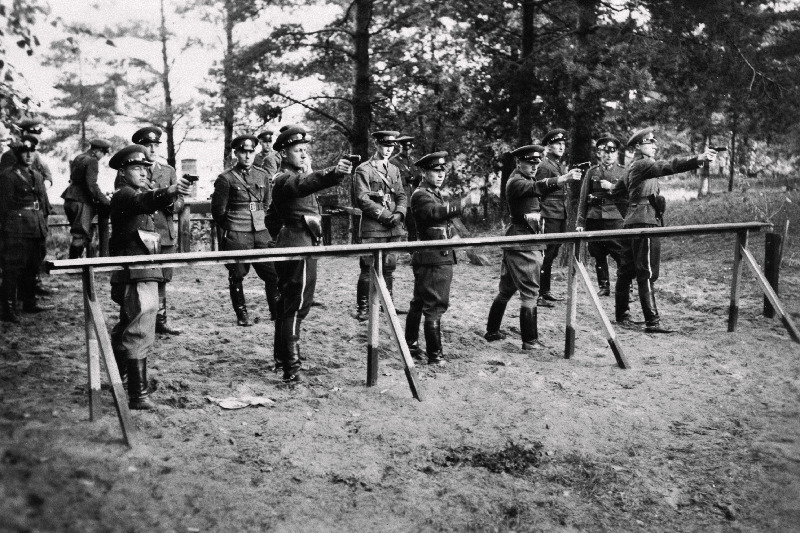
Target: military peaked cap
133,154
291,136
386,138
265,135
637,137
246,143
403,139
100,144
554,136
532,152
26,144
287,126
147,135
434,161
30,126
606,140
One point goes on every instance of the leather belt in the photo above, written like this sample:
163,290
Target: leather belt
250,206
296,224
30,207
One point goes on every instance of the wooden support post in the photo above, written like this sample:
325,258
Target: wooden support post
573,251
772,267
611,336
373,325
773,298
736,281
185,229
327,229
92,347
397,332
213,227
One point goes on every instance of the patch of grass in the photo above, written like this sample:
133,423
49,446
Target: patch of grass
514,459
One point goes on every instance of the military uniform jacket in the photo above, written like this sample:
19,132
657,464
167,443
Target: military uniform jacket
83,172
240,199
9,159
641,181
554,203
162,176
591,185
522,195
293,197
432,214
23,203
379,194
407,173
133,210
269,161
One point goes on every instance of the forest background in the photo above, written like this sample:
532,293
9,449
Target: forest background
471,77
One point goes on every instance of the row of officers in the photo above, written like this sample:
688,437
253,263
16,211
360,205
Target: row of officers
256,208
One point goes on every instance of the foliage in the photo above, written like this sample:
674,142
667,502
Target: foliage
16,24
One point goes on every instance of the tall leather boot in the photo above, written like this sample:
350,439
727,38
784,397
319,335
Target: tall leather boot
121,358
239,306
10,311
602,277
273,295
362,299
433,342
138,389
75,251
496,312
412,333
622,305
278,344
652,321
529,328
291,360
162,325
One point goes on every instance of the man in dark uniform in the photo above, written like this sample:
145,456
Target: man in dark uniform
553,206
433,270
133,209
597,211
24,208
409,175
238,205
294,219
521,264
267,159
641,190
378,191
160,176
83,197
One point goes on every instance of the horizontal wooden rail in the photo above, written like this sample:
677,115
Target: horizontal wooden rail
106,264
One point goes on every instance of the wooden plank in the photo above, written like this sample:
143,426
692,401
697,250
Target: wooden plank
117,391
773,298
397,333
611,336
572,301
373,325
92,347
736,281
772,268
185,228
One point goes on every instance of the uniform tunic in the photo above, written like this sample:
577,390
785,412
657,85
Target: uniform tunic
269,161
602,212
135,290
554,212
238,206
24,208
433,270
9,159
83,198
410,182
162,176
379,193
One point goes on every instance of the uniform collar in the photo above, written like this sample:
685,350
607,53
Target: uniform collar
553,157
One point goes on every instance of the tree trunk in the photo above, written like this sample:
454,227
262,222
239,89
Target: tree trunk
228,98
169,120
362,104
705,173
524,85
732,165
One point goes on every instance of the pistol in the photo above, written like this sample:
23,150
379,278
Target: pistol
355,159
583,166
719,148
191,178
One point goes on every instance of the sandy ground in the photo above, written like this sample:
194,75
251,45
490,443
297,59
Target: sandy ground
703,434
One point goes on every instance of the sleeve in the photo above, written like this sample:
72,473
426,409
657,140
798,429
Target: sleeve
177,205
676,166
219,200
520,188
92,171
5,198
145,201
302,185
273,220
402,199
362,192
583,197
44,169
547,174
427,210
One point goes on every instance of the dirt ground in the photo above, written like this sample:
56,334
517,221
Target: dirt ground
703,434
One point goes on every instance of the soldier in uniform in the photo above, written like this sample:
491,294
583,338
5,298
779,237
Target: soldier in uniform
83,197
641,190
433,270
24,208
553,206
160,176
238,205
408,174
597,211
294,219
267,159
378,191
520,269
133,209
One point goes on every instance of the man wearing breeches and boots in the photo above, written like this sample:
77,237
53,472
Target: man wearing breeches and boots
294,219
238,205
378,191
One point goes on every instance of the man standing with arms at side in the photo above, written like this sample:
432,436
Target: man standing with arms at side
161,176
294,219
641,190
239,203
409,175
267,159
83,197
598,212
553,205
379,193
23,224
